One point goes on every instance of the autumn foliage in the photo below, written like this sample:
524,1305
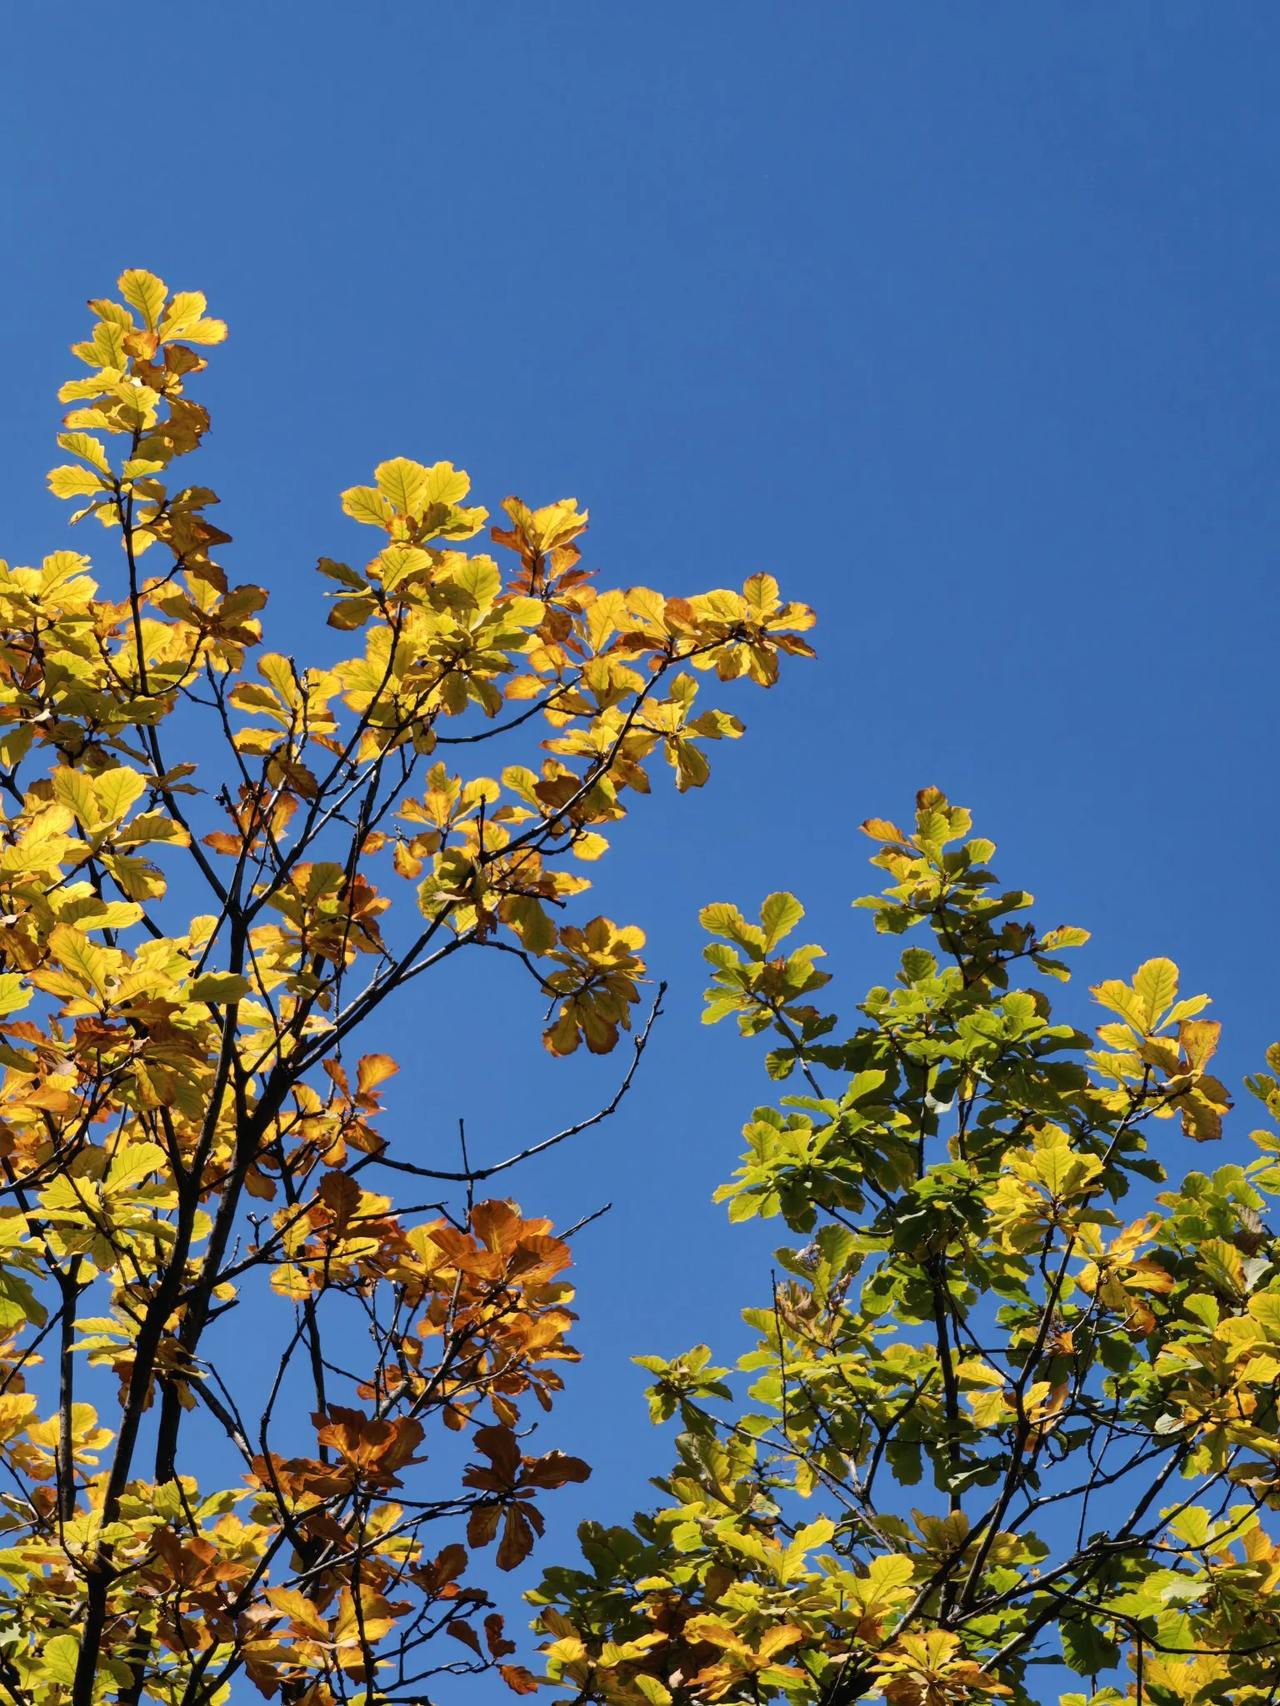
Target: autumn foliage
190,1109
1012,1407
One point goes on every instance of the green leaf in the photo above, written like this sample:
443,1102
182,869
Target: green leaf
1086,1649
1192,1526
18,1302
905,1460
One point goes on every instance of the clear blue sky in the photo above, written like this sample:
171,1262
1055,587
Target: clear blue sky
960,319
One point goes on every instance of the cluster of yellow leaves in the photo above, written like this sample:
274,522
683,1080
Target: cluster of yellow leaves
443,633
175,1115
1120,1278
1162,1042
931,1669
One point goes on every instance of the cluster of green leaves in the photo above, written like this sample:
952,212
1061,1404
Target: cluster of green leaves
180,1129
996,1418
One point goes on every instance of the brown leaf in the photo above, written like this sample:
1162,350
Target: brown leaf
340,1194
518,1679
521,1525
555,1469
466,1634
495,1640
482,1524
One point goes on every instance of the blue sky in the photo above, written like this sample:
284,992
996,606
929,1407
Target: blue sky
960,320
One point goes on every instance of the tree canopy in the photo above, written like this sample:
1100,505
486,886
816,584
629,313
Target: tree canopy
1011,1409
1012,1405
218,864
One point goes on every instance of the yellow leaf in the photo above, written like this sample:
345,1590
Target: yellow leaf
129,1166
1119,998
364,503
279,671
1156,985
16,1408
1065,936
58,1658
403,483
186,319
779,1638
885,1583
990,1409
220,987
779,915
603,616
117,791
567,1651
206,332
145,292
185,309
87,963
881,829
81,444
74,482
1198,1040
761,593
400,560
299,1609
74,790
480,579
